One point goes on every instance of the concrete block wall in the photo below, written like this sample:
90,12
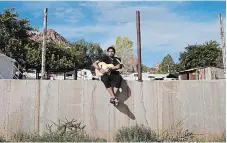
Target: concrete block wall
28,105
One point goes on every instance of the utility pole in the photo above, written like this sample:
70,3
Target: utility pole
44,45
138,46
223,43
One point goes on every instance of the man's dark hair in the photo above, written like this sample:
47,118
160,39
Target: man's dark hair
111,48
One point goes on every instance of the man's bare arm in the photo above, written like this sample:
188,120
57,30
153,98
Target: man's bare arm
95,65
117,67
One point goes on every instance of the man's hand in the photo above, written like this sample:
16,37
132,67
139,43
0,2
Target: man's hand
95,64
103,71
109,69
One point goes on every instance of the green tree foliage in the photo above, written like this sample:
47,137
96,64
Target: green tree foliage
57,58
14,35
145,68
167,65
85,53
78,53
124,50
33,56
15,43
94,51
206,54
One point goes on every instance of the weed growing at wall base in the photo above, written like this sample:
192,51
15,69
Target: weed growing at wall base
137,133
140,133
69,131
2,139
56,137
73,131
176,133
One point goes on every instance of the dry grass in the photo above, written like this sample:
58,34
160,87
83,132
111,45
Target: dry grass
2,139
69,131
210,138
73,131
175,133
137,133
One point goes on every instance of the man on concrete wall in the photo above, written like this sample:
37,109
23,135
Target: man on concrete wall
113,80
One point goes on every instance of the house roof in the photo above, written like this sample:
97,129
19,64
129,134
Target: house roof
192,69
189,70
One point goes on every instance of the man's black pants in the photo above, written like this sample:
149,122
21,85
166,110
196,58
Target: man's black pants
112,80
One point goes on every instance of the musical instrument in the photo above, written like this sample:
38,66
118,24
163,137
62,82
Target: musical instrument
103,66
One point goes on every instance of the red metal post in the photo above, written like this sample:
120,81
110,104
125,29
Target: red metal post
139,46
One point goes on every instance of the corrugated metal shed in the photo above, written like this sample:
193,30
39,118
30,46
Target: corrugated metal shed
207,73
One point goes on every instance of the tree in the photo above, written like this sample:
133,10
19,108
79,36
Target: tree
94,52
124,50
85,53
206,54
33,56
145,68
14,35
57,58
178,67
167,65
15,42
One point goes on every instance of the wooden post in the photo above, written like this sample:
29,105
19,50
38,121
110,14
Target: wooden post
37,110
223,43
44,45
75,74
139,46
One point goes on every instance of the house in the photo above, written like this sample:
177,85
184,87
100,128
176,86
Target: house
83,74
148,76
206,73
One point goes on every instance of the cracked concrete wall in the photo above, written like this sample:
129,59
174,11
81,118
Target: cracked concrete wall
28,105
17,106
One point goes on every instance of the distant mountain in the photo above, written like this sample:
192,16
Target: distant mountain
51,36
154,68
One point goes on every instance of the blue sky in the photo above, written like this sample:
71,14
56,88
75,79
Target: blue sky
166,27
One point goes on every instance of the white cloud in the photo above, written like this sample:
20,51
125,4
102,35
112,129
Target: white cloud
56,10
71,15
78,31
159,26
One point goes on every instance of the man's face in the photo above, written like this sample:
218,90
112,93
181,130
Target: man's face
111,53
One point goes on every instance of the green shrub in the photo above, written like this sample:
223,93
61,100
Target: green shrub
22,137
136,133
69,131
140,133
55,137
2,139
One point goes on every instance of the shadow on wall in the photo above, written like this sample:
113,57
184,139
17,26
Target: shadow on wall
123,96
